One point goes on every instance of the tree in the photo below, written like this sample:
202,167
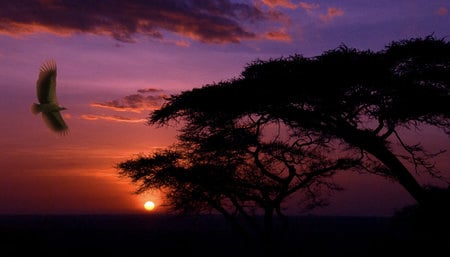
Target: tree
284,126
362,100
239,168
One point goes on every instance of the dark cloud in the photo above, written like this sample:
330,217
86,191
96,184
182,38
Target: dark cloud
146,99
210,21
149,90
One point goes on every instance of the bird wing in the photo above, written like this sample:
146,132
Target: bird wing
46,83
55,121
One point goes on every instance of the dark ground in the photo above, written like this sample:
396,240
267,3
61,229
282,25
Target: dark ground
157,235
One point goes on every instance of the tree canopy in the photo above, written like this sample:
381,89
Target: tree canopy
285,126
361,99
241,169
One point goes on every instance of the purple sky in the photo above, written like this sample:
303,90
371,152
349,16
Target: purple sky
117,59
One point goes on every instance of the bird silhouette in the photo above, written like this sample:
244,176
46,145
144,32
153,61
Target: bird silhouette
46,95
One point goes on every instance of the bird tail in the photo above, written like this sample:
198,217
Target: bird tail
35,108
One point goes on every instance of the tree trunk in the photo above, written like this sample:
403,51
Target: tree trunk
268,233
378,148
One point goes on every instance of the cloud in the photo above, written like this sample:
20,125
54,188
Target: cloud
116,118
281,3
149,90
182,43
307,6
279,35
331,14
206,21
288,4
442,11
146,99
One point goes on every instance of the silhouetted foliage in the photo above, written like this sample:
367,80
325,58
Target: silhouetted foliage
284,126
361,99
241,169
428,222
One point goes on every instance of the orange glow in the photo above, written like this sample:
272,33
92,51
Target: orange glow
280,35
282,3
331,14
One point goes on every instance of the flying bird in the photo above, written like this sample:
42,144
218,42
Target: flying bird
46,95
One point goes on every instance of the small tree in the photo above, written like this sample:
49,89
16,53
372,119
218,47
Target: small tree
239,168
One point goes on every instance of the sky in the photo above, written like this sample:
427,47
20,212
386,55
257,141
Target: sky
117,60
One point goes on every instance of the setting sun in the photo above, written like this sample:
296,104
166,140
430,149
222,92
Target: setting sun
149,205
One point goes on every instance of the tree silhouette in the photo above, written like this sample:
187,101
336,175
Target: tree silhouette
240,168
282,128
359,100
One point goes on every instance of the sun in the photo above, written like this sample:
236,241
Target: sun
149,205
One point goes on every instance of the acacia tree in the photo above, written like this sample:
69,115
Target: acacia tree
360,99
239,168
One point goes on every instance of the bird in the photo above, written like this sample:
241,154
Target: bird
48,104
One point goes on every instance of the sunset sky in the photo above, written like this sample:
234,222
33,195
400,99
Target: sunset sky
116,61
